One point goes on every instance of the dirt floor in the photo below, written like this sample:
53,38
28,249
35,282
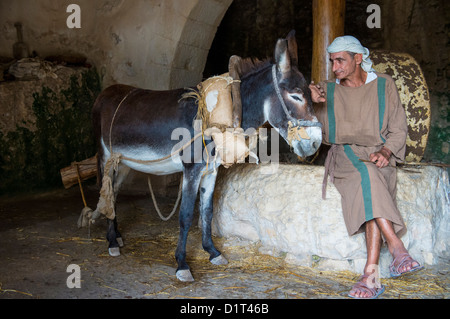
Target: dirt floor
40,239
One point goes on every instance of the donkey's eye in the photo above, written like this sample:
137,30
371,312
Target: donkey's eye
296,97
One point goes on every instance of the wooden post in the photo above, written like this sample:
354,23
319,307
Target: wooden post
328,23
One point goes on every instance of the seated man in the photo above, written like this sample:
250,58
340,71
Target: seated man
365,123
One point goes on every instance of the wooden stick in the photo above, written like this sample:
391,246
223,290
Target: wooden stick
413,163
79,183
424,164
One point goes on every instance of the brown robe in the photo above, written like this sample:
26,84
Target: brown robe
351,122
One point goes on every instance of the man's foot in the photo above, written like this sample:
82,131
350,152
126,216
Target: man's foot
365,289
402,264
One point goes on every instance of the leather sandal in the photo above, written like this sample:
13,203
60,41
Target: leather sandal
405,257
374,291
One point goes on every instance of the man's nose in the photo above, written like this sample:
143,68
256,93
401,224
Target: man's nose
334,66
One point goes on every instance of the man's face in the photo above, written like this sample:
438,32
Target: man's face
343,64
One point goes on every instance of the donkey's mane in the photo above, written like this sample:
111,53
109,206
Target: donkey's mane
250,66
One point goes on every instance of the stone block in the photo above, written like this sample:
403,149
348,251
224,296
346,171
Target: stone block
284,212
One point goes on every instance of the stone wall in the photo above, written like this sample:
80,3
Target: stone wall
17,96
45,122
284,212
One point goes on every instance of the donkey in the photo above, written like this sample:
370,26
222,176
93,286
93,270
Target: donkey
273,92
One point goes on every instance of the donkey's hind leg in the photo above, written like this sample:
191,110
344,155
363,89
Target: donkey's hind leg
206,213
113,235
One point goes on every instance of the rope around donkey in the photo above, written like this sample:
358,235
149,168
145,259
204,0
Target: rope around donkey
107,200
156,205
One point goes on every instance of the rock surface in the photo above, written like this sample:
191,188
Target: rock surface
284,211
16,105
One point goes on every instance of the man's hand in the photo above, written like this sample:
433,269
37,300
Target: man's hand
317,93
381,158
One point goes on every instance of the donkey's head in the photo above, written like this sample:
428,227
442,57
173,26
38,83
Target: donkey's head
290,109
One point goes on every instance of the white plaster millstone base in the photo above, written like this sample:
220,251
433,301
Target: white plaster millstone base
282,209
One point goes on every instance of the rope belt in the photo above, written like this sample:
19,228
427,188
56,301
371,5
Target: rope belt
330,163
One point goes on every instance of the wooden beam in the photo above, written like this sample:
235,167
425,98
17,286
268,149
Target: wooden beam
328,23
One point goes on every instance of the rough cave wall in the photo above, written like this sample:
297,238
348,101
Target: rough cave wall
155,44
422,28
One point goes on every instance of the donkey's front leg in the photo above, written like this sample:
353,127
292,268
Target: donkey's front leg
191,180
114,238
206,214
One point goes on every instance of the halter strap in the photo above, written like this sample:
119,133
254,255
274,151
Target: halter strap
295,122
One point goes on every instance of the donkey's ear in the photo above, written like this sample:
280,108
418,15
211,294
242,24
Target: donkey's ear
282,56
292,47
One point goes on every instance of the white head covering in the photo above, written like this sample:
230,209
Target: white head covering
351,44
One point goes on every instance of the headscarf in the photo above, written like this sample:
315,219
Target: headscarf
352,44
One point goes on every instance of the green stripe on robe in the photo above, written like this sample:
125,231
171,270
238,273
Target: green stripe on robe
330,110
365,181
381,102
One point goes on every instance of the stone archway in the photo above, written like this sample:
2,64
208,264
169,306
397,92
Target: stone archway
154,44
158,44
165,43
195,41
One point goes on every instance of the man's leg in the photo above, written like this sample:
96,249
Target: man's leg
395,245
373,244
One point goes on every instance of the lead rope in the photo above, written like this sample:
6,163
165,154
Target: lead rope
280,98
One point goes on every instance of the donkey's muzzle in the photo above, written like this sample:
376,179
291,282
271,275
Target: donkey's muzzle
305,140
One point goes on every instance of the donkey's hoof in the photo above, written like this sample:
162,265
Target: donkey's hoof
120,241
114,252
184,275
219,261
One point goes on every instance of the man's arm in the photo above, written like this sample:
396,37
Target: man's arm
317,93
381,158
397,130
397,126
